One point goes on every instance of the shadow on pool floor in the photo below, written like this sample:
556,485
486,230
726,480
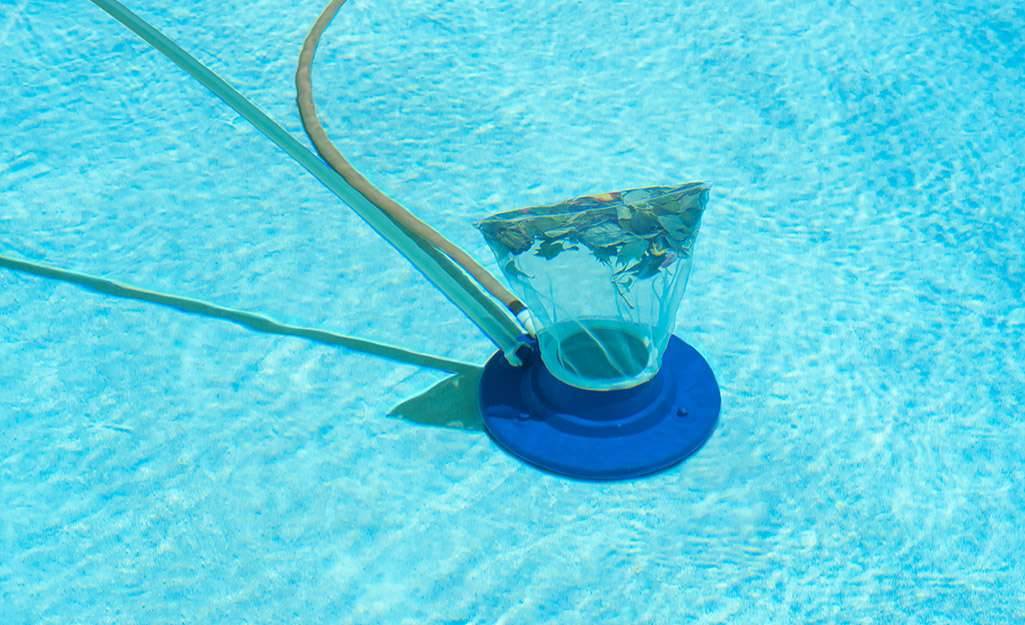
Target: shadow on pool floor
452,403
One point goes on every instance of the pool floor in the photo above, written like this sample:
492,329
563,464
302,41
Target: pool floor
858,288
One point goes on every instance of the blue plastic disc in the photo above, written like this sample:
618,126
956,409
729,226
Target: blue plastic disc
601,435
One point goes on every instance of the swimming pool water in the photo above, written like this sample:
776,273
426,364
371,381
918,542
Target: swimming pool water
858,289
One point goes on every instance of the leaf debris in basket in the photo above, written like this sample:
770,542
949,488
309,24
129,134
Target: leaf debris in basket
639,232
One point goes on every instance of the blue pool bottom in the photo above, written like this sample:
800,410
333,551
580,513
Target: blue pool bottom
601,435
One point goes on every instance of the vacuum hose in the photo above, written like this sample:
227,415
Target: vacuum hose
398,213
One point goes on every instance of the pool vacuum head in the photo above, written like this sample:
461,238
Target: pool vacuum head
605,391
601,435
